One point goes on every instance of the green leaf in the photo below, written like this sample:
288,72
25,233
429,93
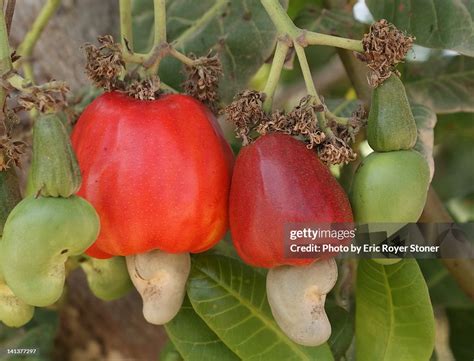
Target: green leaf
170,353
425,120
194,340
436,24
240,31
333,22
231,298
394,317
296,6
461,326
444,291
443,84
342,324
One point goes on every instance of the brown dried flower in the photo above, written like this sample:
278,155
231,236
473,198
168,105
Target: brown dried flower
104,63
51,96
10,152
336,151
144,89
384,47
203,79
300,121
246,112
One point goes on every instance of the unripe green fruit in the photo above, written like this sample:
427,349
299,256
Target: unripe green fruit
13,311
54,170
391,125
390,187
108,279
39,236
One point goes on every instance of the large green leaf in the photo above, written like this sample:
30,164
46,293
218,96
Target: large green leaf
230,297
240,31
169,353
444,84
441,24
394,317
194,340
461,329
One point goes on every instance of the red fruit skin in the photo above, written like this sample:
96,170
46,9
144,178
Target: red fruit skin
157,172
277,180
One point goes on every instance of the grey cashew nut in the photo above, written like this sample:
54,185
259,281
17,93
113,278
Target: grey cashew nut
160,278
296,296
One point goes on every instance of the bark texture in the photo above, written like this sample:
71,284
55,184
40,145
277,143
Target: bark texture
58,53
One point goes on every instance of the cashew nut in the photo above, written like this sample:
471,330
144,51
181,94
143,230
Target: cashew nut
296,296
160,278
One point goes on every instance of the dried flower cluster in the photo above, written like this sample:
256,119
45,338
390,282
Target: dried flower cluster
300,121
10,150
203,78
384,47
143,89
246,112
44,98
104,62
336,149
332,146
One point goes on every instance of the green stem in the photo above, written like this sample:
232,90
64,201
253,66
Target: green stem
338,120
308,78
126,30
5,57
160,35
310,88
312,38
180,56
25,49
285,26
135,58
160,22
280,18
275,71
25,86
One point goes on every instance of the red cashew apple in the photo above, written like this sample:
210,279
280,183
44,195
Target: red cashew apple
278,181
157,172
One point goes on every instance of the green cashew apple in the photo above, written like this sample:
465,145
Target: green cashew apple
39,236
391,125
108,278
54,170
13,311
9,194
390,187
